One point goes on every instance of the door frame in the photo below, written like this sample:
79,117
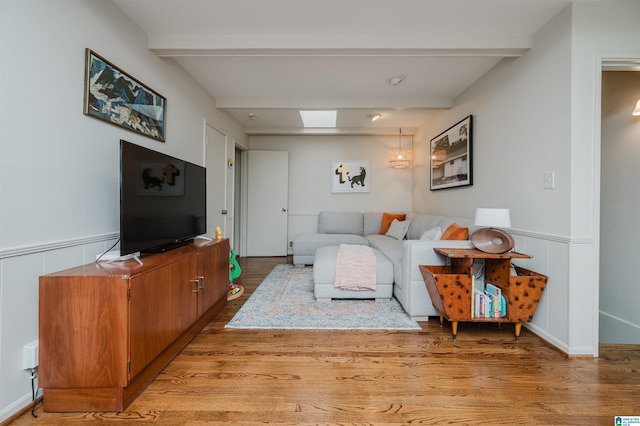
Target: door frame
226,186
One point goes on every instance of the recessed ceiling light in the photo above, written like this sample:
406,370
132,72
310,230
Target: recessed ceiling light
396,79
374,117
252,116
318,118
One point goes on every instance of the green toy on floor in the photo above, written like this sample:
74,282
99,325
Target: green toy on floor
235,290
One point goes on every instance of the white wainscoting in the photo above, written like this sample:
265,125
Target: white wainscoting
20,269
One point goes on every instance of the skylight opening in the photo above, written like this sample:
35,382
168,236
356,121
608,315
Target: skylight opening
318,118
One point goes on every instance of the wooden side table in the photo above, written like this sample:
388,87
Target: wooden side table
451,286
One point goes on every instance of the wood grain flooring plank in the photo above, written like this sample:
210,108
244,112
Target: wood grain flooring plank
340,377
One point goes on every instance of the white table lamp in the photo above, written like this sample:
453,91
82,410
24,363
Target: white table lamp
492,239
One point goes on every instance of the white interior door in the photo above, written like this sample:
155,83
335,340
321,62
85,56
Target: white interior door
216,164
267,199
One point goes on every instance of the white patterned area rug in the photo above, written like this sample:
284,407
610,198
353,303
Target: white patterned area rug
285,300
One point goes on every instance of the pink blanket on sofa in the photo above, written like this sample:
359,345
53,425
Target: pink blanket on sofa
356,268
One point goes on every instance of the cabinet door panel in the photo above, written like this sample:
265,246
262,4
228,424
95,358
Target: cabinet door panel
163,305
213,266
83,332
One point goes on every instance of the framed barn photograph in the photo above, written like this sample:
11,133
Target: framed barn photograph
350,176
112,95
451,164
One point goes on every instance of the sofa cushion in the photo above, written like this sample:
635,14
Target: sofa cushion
308,243
372,221
398,229
387,219
324,268
432,234
391,248
455,232
340,223
421,222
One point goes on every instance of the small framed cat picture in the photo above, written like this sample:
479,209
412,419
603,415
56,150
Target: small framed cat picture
350,176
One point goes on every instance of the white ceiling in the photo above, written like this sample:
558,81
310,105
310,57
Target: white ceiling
275,57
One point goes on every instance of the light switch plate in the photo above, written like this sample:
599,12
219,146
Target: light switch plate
549,180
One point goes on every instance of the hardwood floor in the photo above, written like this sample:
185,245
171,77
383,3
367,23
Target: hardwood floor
377,377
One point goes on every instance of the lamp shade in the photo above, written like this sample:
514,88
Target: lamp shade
636,111
494,218
400,158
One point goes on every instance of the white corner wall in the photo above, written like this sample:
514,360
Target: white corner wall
310,176
59,169
601,30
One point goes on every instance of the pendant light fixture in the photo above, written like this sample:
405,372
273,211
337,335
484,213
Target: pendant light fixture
400,158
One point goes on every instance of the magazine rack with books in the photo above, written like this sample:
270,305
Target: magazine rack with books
453,289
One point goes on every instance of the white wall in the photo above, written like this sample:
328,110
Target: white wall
620,209
547,103
520,130
58,168
310,176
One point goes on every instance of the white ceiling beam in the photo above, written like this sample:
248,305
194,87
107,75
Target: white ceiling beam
231,52
394,104
327,45
268,131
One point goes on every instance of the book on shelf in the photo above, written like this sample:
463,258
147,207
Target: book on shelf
487,301
500,307
483,304
473,296
477,285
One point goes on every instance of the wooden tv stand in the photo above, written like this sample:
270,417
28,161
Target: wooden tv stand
107,329
450,286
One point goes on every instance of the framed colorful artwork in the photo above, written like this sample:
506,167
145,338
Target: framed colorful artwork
112,95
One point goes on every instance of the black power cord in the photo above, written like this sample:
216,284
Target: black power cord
108,250
34,374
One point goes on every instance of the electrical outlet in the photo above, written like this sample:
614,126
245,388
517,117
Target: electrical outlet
30,355
290,243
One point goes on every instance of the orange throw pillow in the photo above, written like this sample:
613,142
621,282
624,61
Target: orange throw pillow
387,218
455,232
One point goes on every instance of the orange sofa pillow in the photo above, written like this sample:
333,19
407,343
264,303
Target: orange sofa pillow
387,218
455,232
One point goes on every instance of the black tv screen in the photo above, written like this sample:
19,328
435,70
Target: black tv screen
162,200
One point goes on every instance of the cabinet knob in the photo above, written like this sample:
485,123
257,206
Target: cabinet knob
197,285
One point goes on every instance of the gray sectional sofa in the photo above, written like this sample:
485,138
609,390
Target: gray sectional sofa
335,228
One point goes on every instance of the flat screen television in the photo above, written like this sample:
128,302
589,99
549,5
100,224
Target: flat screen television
162,200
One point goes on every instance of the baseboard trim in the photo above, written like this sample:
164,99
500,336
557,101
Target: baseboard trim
617,331
18,409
